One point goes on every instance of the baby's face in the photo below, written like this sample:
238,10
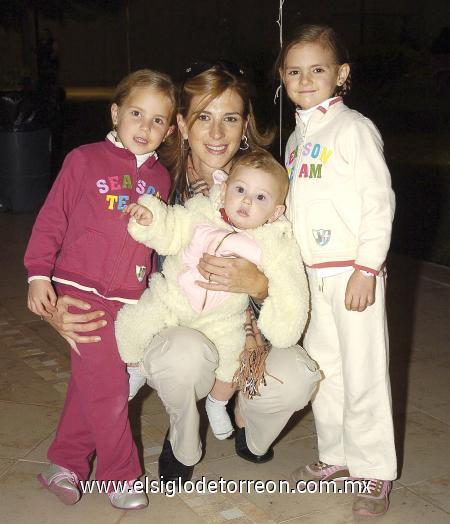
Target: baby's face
251,198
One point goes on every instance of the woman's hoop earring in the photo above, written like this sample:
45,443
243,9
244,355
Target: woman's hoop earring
184,145
244,143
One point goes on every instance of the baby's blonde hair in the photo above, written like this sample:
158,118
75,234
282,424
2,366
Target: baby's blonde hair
263,160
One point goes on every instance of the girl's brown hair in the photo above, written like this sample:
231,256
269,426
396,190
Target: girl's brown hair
327,37
146,78
209,85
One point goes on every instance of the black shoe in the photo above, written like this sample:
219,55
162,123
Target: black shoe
242,450
170,468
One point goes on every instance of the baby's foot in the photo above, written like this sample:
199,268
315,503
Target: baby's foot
136,381
218,417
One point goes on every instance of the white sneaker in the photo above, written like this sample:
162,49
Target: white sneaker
136,380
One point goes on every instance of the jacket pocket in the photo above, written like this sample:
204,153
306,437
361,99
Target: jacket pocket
87,255
134,267
327,231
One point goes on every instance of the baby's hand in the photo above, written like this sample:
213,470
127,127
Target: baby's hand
360,292
141,214
41,298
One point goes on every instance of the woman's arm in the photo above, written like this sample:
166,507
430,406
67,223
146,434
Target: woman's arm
235,275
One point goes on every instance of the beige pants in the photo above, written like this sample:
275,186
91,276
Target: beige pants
179,364
352,407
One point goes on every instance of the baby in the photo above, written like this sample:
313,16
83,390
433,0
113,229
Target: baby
242,217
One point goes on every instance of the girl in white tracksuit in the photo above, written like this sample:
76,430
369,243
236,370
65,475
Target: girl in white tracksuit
341,206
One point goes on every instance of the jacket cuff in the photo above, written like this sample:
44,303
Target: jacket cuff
39,271
367,269
38,277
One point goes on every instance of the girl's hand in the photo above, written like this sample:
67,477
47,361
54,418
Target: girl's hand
235,275
41,298
141,214
360,292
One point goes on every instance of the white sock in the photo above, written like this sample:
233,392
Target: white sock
218,417
136,380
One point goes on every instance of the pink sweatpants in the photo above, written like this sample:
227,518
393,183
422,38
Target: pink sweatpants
95,414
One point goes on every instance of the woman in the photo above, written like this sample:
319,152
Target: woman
215,122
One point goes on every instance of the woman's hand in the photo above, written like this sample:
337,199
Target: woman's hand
235,275
69,325
360,292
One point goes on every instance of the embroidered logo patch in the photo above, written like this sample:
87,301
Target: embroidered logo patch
321,236
140,273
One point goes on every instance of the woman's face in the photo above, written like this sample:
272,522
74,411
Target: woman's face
216,134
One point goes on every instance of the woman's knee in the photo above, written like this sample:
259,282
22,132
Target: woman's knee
181,355
298,376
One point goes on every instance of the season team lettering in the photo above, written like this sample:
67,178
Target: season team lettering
117,183
309,169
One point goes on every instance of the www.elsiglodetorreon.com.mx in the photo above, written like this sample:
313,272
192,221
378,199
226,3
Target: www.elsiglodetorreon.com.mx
221,485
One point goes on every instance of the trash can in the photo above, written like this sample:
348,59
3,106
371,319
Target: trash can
25,151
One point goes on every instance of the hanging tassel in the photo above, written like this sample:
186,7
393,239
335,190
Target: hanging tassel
252,372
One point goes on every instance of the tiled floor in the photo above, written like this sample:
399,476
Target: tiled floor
34,372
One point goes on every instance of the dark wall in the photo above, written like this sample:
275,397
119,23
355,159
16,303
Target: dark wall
168,34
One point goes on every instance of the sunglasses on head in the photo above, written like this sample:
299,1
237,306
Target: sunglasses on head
198,68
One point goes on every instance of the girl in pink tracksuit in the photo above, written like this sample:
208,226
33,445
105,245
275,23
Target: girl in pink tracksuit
80,245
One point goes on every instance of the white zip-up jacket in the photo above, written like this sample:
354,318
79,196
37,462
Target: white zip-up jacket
340,199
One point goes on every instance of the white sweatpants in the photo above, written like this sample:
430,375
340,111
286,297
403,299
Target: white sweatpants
352,407
179,364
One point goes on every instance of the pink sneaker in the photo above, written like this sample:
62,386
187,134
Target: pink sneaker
62,482
374,503
320,471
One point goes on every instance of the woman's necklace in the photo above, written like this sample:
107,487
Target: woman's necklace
195,183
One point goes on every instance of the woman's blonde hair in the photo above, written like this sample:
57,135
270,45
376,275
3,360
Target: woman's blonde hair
210,84
327,37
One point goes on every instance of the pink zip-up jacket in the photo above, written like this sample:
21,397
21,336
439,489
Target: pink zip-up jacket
80,234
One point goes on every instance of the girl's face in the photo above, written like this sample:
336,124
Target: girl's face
142,122
217,132
311,74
